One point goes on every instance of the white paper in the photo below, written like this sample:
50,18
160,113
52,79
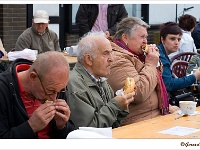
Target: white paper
90,132
179,131
25,54
120,92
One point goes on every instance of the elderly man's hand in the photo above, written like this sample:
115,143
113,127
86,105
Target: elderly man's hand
62,113
42,116
125,100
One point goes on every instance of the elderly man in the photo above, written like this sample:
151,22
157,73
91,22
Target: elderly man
39,36
91,99
24,89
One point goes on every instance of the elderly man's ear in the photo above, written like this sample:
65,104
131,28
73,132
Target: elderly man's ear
88,59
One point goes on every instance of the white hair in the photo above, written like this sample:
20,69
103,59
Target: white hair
88,44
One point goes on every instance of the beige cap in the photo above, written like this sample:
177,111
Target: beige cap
41,16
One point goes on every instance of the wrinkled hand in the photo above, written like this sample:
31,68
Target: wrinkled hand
173,109
125,100
152,55
42,116
197,74
62,113
107,34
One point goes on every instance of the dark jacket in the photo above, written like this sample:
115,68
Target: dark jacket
196,35
13,115
87,15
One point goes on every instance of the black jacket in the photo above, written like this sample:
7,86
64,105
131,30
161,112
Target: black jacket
196,35
87,15
13,115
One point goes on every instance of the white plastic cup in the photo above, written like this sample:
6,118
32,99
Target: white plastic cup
73,51
187,107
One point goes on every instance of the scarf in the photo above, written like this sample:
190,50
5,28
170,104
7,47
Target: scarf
161,89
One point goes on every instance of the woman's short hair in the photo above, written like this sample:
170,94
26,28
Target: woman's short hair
128,26
187,22
169,28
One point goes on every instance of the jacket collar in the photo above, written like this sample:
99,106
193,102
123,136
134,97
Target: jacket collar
85,75
35,31
115,47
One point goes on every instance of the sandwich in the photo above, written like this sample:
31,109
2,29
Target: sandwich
145,49
129,86
47,101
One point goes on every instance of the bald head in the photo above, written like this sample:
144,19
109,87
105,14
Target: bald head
50,62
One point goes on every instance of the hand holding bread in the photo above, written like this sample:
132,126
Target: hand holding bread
145,49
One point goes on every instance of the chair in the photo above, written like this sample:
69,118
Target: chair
179,68
186,56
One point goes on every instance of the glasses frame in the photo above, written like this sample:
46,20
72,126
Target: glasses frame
49,94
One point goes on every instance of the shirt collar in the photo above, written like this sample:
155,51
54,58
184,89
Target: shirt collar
95,80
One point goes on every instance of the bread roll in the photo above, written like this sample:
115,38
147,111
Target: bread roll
129,85
47,101
145,49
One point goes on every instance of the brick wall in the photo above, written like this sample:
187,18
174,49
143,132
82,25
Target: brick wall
153,36
12,22
71,39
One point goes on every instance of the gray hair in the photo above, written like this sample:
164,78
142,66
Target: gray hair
88,44
128,26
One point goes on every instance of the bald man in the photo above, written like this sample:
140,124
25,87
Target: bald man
91,99
24,89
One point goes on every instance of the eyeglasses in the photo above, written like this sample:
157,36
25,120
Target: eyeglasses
53,92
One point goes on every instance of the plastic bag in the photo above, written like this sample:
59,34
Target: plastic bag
25,54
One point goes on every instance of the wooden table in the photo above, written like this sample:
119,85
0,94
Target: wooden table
71,60
149,129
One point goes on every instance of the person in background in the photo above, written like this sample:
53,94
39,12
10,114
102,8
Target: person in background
170,37
187,24
196,35
99,17
39,36
3,53
91,99
194,63
130,61
32,103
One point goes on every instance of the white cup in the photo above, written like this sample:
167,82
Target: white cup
66,49
187,107
73,51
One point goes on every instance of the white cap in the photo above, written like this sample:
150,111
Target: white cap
41,16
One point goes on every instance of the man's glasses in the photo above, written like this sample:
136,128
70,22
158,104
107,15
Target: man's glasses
50,93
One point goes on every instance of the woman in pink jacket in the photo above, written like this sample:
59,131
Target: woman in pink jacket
151,97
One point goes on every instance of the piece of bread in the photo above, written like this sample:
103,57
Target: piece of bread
129,86
47,101
145,49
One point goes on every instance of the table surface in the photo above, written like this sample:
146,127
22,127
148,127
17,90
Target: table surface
150,128
71,60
